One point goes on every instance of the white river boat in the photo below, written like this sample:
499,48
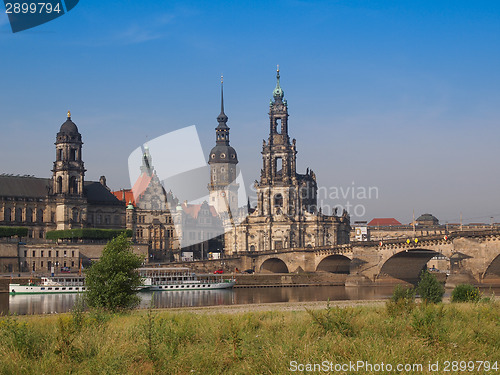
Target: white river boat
50,285
181,278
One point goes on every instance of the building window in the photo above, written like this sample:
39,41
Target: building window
72,263
59,184
6,214
25,253
72,154
19,214
39,215
41,263
50,253
74,214
59,154
57,253
41,253
73,253
34,253
29,215
40,234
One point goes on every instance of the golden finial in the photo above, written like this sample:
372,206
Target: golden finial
69,114
221,79
278,70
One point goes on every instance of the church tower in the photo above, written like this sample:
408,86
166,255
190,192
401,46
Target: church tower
68,177
223,160
281,190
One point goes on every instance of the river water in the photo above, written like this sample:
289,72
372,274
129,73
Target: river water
59,303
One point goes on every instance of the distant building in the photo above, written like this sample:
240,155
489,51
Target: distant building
427,220
383,222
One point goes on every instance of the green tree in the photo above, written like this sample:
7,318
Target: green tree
429,288
112,281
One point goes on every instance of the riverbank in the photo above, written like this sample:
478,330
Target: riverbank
252,339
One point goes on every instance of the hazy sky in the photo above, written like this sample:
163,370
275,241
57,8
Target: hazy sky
401,96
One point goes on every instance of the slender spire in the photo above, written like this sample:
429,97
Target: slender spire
221,94
278,91
222,118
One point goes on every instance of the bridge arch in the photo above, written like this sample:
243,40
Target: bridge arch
493,268
335,263
407,265
274,265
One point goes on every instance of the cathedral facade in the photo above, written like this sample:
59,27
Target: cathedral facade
287,215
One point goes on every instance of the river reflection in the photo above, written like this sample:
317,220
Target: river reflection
58,303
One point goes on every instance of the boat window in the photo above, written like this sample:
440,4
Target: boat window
42,288
50,288
70,288
63,288
56,288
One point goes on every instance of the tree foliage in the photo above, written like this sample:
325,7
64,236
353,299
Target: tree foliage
112,281
13,231
429,288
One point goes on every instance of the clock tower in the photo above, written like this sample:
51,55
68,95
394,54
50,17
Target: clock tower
223,160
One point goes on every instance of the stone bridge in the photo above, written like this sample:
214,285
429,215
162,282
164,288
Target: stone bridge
473,257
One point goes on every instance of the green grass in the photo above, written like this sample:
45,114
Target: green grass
164,342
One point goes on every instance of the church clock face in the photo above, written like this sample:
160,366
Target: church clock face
223,194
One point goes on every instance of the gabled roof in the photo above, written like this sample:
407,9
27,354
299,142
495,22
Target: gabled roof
194,209
141,184
383,222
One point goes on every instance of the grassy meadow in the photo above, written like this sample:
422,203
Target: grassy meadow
182,342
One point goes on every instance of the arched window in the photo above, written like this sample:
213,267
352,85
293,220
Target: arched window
6,214
59,154
19,214
73,185
72,154
278,200
74,214
39,215
29,215
59,184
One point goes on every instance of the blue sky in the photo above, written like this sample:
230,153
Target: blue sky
398,95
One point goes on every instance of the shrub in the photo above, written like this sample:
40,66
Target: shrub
334,319
430,290
465,293
402,300
13,231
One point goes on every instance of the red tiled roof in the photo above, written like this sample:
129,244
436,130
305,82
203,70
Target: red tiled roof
194,209
125,195
383,222
129,195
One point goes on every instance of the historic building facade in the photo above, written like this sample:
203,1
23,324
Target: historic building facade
64,201
286,215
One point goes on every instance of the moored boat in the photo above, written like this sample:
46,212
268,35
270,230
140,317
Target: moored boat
50,284
181,278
